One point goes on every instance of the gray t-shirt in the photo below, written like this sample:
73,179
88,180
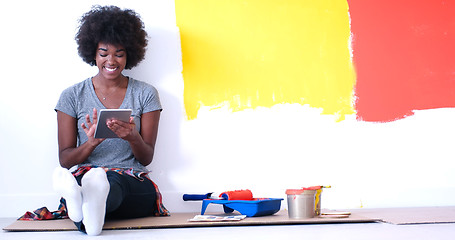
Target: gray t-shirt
80,99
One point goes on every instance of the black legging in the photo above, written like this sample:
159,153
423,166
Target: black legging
128,197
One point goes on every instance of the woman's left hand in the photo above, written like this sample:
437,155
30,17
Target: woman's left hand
124,130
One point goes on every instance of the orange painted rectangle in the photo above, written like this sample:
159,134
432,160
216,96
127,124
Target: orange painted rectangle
404,57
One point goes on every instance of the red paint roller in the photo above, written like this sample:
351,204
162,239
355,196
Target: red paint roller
228,195
237,195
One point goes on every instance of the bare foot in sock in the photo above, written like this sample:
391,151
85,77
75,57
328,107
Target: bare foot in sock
95,189
66,185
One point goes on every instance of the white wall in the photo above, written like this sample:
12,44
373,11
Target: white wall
408,162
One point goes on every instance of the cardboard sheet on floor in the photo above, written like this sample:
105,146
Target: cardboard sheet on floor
180,220
411,215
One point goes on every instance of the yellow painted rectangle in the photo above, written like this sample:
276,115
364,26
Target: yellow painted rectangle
249,53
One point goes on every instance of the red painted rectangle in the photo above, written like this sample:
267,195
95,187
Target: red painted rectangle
404,55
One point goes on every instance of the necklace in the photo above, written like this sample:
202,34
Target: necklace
104,96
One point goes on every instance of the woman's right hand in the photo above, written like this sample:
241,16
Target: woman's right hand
70,153
89,128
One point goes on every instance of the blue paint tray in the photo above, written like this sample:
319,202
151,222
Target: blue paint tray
251,208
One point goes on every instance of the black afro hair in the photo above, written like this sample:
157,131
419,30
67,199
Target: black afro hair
112,25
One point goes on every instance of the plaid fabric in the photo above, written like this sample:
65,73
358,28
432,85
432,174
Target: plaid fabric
44,214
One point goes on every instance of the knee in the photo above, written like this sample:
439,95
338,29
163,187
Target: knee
116,192
115,182
113,177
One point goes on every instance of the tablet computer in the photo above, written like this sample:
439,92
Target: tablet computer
102,131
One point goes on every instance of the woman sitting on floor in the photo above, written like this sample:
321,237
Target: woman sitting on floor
111,180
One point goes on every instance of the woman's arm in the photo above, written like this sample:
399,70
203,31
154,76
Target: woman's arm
69,154
143,143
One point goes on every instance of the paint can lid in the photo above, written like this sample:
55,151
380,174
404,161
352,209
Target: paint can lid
300,191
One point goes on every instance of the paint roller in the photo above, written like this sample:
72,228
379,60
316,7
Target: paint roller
228,195
237,195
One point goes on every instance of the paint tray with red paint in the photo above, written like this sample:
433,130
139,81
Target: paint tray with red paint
251,208
241,201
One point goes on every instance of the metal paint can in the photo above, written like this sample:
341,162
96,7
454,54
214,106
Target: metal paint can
301,203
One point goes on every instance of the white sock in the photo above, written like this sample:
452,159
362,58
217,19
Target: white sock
95,189
66,185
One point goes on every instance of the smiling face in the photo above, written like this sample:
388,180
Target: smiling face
110,60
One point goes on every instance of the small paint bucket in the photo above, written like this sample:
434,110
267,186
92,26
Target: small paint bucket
301,203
